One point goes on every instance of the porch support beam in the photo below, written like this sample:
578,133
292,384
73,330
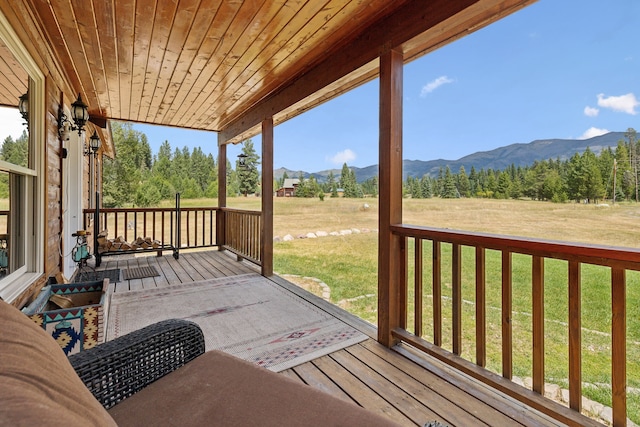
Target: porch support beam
222,195
390,260
266,232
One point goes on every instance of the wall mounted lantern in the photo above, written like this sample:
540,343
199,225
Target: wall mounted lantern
242,160
79,114
94,145
23,106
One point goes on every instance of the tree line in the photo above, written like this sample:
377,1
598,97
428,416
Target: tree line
136,177
345,185
612,174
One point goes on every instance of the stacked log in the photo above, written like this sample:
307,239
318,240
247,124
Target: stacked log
120,244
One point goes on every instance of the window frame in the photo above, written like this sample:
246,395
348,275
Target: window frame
13,285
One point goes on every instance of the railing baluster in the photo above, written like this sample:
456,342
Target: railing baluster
195,228
575,337
204,233
437,293
537,292
456,284
417,290
162,239
115,226
481,307
507,313
619,347
211,215
188,229
403,300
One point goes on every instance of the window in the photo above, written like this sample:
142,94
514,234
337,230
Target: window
21,168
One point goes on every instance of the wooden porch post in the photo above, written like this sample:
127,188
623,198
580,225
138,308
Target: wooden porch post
390,286
222,193
266,231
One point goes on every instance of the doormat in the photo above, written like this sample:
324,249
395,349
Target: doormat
91,276
248,316
140,272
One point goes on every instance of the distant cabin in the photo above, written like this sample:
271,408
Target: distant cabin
288,189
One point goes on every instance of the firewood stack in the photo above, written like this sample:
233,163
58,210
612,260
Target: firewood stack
119,244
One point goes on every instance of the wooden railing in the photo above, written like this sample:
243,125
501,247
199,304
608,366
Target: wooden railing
158,224
472,258
242,234
180,228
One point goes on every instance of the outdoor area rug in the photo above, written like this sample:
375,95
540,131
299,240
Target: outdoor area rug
87,275
247,316
140,272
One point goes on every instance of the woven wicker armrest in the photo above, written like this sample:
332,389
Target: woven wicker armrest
119,368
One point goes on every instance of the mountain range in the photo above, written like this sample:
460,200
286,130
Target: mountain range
499,158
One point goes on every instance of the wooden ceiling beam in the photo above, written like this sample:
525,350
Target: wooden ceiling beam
410,20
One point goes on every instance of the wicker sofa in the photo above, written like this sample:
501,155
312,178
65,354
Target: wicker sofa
159,375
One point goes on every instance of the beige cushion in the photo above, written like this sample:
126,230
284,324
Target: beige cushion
38,386
219,389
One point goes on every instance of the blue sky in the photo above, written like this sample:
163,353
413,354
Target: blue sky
556,69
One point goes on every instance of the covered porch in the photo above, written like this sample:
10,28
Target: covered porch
239,69
402,384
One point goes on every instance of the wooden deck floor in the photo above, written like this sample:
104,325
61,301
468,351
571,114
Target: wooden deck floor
410,388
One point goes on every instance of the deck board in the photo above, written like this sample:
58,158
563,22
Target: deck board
402,384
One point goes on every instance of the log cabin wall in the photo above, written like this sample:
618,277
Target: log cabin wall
53,179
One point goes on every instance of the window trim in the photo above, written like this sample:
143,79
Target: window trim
15,284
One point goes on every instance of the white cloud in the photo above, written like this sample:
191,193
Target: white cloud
342,157
11,123
591,111
623,103
434,84
592,131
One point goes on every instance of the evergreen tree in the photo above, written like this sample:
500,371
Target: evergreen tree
370,186
345,174
427,190
233,183
605,164
16,152
474,185
575,179
449,190
464,186
553,187
439,183
503,188
624,177
248,175
355,189
491,184
124,174
634,156
414,187
348,183
331,183
594,188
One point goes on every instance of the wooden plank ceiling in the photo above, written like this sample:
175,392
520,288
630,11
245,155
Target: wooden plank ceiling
14,79
225,65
